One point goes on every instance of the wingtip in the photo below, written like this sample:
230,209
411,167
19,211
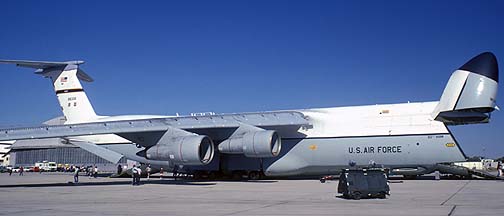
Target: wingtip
484,64
76,62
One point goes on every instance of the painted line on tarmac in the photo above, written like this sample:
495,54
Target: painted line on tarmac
452,210
460,189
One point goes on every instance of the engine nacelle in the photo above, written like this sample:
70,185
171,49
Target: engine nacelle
184,150
256,144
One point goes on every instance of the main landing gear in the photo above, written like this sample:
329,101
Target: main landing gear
237,175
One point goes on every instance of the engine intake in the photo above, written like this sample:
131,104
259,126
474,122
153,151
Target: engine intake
186,150
256,144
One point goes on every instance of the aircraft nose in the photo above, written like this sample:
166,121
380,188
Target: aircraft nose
484,64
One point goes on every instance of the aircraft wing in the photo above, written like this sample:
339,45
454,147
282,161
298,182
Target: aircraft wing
181,140
217,125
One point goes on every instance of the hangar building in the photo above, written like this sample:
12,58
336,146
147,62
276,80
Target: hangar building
28,152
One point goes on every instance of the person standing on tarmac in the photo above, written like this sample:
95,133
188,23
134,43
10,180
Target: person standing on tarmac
95,171
148,169
499,169
90,170
175,172
134,175
76,174
139,173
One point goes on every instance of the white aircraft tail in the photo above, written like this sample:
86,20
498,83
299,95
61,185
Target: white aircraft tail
65,77
470,95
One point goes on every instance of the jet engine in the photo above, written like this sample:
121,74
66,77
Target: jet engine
186,150
256,144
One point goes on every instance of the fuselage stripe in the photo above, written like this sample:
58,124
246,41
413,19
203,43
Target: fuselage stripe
364,136
69,91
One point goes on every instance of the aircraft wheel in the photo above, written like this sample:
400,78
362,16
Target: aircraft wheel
409,177
197,175
382,195
254,175
213,175
237,176
356,195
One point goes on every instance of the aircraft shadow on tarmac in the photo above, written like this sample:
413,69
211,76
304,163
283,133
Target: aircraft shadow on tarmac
71,184
364,198
127,182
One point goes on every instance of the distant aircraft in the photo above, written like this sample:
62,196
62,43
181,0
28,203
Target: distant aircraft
409,138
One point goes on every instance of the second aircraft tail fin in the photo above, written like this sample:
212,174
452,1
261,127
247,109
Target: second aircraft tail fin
65,77
470,95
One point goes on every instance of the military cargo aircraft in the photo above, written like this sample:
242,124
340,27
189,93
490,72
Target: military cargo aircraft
408,138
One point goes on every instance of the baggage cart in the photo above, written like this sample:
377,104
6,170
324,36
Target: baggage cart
363,183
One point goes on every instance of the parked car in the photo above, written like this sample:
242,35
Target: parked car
4,169
35,169
15,169
47,166
31,169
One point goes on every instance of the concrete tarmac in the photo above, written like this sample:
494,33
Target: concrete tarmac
51,194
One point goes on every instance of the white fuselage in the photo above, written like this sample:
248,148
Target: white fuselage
372,120
393,135
366,120
397,135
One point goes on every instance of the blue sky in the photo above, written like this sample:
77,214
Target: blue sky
164,57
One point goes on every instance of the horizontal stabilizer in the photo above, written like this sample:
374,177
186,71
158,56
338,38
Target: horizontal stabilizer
8,142
44,66
40,64
99,151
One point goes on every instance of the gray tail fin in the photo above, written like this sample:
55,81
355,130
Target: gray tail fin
470,95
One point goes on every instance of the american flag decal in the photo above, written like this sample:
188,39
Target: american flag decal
64,79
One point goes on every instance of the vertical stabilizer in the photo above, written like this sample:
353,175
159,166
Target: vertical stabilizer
470,95
65,77
71,96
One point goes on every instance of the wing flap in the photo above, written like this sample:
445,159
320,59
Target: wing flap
99,151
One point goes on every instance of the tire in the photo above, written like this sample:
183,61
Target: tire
212,175
346,196
237,176
197,175
356,195
215,175
382,195
254,175
410,177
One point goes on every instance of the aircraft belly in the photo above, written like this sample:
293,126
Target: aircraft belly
319,156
